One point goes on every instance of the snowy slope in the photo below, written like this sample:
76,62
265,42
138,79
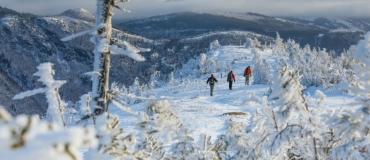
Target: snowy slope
335,24
202,113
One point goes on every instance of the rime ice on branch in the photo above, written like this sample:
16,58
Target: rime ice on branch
56,105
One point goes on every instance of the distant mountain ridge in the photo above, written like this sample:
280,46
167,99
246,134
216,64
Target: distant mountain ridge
188,24
79,13
337,24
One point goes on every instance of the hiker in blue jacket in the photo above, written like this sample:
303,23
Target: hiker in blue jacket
211,81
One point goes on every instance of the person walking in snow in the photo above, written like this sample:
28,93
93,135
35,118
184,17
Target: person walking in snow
211,81
247,74
230,79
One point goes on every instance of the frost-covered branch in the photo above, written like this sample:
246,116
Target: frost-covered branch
56,105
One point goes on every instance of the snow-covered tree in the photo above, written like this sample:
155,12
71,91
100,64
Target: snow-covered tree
278,47
351,126
296,137
56,104
105,45
256,43
84,105
248,43
214,45
171,80
288,91
261,69
138,90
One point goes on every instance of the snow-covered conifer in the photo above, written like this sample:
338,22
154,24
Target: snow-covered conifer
137,87
214,45
298,130
84,105
171,80
153,80
288,91
248,43
256,43
56,104
261,69
278,47
351,126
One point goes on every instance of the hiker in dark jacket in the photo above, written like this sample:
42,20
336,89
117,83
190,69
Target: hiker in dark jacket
230,79
247,74
211,81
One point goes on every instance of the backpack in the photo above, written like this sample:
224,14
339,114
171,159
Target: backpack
249,71
230,77
212,81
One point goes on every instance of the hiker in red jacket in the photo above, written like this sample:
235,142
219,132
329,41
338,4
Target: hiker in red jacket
230,79
247,74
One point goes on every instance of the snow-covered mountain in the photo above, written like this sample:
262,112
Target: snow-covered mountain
79,13
335,24
188,24
28,40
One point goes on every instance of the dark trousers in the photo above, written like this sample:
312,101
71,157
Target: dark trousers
230,85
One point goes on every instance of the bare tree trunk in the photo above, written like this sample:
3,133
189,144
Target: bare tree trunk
102,57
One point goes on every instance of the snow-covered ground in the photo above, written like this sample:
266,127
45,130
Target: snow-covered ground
205,113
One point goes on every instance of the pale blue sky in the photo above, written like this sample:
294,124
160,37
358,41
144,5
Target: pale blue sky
147,8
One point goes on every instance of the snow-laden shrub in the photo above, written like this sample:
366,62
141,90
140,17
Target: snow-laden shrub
26,137
251,100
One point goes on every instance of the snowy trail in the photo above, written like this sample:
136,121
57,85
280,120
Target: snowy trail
204,114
